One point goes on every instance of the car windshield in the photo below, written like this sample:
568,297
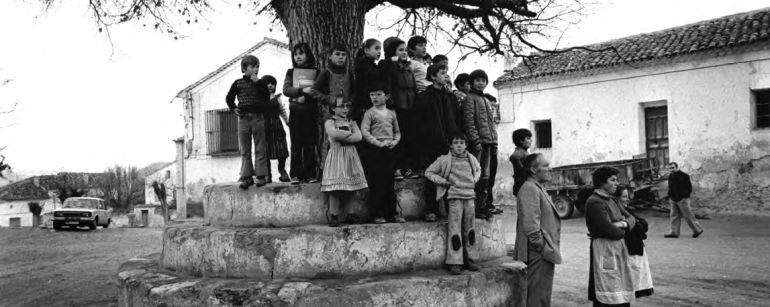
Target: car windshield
81,203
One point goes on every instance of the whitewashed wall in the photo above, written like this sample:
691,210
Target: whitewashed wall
600,118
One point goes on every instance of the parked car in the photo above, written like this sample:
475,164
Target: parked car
82,211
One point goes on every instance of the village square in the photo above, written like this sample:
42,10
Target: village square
384,153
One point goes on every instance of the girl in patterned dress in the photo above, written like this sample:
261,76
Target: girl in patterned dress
342,172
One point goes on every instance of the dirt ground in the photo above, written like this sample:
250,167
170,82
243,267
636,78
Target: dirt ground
40,267
727,266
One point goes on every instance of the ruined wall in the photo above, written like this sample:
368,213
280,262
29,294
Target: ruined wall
711,132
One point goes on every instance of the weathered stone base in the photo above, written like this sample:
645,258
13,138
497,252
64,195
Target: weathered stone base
499,283
316,251
285,205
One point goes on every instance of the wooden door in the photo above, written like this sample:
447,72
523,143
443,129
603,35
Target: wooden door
656,135
145,217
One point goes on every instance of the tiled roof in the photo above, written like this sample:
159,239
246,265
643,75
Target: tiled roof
213,74
725,33
37,187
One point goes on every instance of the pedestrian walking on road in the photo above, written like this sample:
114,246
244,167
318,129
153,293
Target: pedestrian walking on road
538,231
679,190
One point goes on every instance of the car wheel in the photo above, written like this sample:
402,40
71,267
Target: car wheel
564,206
93,225
56,226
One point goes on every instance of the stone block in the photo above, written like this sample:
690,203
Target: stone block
316,251
501,282
285,205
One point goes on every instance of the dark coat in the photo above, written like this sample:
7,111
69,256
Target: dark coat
435,112
679,186
400,80
366,75
636,236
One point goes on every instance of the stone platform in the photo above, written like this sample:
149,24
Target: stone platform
316,251
499,283
285,205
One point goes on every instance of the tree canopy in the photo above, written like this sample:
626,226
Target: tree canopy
495,27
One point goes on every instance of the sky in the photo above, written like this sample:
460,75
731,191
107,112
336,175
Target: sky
86,101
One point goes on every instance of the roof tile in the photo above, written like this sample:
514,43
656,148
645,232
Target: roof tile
733,31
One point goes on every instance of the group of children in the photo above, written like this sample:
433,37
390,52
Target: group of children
387,119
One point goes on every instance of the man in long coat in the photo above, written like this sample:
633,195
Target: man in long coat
538,231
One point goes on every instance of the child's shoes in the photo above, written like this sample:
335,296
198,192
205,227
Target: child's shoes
471,267
353,218
455,269
246,183
430,217
261,181
334,221
398,219
397,175
380,220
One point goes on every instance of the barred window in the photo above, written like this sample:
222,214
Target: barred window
221,131
762,108
543,134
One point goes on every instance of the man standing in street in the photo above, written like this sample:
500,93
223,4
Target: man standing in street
538,231
679,190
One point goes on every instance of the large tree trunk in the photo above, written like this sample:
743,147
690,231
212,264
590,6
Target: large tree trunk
321,23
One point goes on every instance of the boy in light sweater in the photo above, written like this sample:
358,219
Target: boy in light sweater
456,174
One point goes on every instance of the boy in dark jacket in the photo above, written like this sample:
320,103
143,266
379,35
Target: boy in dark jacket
479,124
253,98
435,110
679,190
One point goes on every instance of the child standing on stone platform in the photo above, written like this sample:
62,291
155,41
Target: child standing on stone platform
381,131
303,114
456,174
435,110
366,75
342,172
275,136
479,124
253,98
334,81
402,87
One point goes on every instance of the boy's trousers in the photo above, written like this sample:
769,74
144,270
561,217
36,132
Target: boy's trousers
461,236
251,127
488,161
382,196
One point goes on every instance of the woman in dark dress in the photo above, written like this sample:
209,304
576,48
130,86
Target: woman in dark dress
615,277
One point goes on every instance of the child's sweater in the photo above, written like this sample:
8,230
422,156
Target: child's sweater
462,171
333,81
252,96
377,127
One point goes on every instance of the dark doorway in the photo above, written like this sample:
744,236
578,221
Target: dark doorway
656,135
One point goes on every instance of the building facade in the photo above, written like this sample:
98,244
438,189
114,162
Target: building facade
698,95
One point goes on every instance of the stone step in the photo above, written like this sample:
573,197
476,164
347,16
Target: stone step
286,205
316,251
501,282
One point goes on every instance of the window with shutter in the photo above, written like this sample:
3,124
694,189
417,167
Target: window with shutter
761,108
221,132
543,134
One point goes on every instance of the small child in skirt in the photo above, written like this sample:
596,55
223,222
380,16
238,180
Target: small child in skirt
275,135
342,172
